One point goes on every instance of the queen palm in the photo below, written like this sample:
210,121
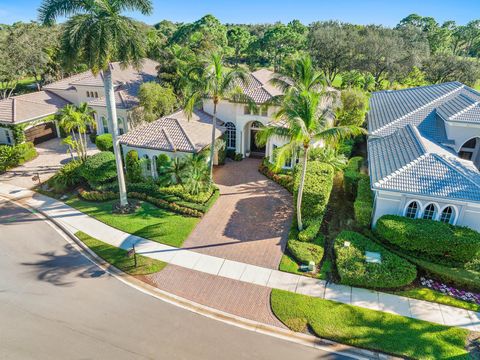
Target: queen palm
213,80
97,34
301,121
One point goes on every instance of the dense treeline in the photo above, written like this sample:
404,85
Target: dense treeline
417,51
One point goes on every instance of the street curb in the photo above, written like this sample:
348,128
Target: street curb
251,325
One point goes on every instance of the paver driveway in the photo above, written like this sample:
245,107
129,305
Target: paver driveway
52,155
249,222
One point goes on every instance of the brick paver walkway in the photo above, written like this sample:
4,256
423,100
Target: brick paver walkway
235,297
249,222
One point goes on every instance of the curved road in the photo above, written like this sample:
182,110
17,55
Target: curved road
55,304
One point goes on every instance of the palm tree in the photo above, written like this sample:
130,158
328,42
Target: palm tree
97,34
301,121
213,80
73,122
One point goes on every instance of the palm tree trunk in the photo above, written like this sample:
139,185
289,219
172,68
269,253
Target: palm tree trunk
212,145
78,145
112,118
300,189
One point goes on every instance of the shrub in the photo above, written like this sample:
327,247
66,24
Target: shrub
363,205
351,175
104,142
238,157
11,156
26,152
345,147
179,191
67,177
97,195
133,168
309,233
8,157
161,203
429,239
305,252
99,168
316,193
392,272
283,179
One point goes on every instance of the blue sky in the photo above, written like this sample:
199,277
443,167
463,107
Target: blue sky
386,12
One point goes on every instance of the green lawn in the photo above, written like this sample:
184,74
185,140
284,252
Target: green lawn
437,297
288,264
118,257
369,329
148,221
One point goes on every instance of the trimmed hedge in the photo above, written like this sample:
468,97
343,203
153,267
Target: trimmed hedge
104,142
305,252
363,205
133,167
316,193
392,272
164,204
97,195
351,175
99,168
429,239
179,191
285,180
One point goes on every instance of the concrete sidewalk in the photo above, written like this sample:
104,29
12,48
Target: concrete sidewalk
75,220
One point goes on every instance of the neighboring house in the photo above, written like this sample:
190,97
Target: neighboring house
30,117
86,87
34,113
174,135
424,153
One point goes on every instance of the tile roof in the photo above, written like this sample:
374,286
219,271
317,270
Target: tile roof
22,108
174,133
120,75
433,175
258,86
408,147
126,97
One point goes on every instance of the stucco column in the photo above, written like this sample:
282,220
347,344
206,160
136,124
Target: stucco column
153,167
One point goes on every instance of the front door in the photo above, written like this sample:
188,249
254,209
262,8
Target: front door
254,148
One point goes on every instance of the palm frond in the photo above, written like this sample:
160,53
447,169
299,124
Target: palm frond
50,10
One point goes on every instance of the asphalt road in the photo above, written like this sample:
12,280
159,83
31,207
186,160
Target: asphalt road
55,304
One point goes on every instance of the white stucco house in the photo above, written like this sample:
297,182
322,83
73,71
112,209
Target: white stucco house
424,153
33,112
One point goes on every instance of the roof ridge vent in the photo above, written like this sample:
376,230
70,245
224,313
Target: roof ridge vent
469,107
418,109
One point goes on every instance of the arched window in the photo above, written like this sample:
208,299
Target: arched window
148,166
412,210
96,94
429,212
447,215
231,135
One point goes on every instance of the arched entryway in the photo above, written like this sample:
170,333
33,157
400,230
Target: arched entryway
253,128
470,150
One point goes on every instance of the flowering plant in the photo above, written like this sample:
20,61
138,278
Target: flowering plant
451,291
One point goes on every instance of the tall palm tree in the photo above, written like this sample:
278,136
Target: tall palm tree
213,80
97,34
301,121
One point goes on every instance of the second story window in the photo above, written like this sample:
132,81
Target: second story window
88,94
96,94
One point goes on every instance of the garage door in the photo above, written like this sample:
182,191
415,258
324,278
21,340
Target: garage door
40,133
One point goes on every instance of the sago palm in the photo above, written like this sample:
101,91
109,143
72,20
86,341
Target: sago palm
301,121
97,34
214,81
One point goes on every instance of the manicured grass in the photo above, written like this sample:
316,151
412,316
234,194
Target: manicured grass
369,329
118,257
437,297
148,221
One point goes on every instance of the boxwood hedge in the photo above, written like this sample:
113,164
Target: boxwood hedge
305,252
104,142
392,272
431,240
99,168
351,175
316,193
363,205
